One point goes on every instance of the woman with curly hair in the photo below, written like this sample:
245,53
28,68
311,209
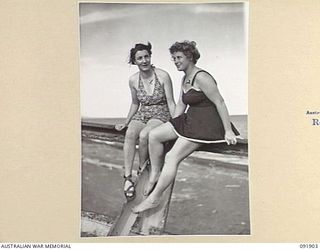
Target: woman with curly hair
152,104
205,121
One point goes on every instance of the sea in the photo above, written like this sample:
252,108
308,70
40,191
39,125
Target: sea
240,121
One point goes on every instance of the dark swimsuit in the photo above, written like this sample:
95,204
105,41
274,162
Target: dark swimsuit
201,123
152,106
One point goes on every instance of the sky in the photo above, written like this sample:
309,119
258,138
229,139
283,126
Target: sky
109,30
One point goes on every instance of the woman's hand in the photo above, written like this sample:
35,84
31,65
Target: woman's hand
230,137
120,126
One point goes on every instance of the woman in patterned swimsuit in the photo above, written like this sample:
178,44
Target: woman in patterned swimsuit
206,121
152,104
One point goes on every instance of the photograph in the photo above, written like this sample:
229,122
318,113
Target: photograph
164,119
154,122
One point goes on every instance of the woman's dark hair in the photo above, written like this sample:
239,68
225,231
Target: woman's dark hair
139,47
188,48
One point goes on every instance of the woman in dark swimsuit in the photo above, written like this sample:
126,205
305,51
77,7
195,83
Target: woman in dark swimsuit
152,104
206,121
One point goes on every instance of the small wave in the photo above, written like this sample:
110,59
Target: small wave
105,165
110,143
235,159
183,196
101,164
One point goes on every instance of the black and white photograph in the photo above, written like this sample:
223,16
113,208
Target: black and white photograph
170,122
164,111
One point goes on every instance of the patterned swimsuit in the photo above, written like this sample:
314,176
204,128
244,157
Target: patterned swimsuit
152,106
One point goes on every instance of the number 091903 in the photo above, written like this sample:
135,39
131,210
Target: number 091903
312,246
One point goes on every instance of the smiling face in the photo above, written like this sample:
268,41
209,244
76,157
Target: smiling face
181,61
143,60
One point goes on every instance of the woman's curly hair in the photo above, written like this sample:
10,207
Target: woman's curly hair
188,48
139,47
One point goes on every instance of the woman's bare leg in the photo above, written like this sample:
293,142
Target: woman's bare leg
157,137
143,140
129,147
181,149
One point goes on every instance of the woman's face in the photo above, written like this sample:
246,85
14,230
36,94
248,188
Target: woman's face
181,60
143,60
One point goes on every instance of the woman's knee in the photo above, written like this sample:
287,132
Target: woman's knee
172,158
143,137
153,136
132,133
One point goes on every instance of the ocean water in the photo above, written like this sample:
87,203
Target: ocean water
240,121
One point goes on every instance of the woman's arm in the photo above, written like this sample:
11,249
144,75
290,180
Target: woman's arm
167,84
133,107
208,85
180,107
134,103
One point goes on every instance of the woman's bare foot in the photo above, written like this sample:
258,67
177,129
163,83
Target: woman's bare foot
145,205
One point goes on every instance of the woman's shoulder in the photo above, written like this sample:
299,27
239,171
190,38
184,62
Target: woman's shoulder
133,80
161,72
163,76
203,74
203,77
134,77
